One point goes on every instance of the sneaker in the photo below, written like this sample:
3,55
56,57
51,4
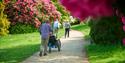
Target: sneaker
40,54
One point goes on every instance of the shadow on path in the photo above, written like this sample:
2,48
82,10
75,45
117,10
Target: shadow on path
72,51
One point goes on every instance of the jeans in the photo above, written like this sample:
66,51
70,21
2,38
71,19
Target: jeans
67,32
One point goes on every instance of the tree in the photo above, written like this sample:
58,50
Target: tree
21,12
61,9
27,11
48,10
85,8
100,9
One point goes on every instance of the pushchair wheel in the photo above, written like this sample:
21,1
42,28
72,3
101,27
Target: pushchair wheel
49,49
59,44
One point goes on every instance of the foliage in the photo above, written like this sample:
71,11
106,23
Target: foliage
21,12
84,28
64,13
75,22
4,23
47,10
29,12
119,6
107,30
22,28
85,8
106,54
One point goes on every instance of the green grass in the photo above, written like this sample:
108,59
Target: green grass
16,48
60,33
84,28
106,54
101,53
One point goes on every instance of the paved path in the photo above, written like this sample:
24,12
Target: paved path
72,51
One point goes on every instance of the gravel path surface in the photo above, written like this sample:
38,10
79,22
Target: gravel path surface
72,51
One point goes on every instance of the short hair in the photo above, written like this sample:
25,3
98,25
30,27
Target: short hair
46,21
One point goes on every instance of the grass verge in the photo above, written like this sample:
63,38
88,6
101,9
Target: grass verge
17,47
106,54
101,53
84,28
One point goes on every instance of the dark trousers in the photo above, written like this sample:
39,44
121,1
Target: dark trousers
67,32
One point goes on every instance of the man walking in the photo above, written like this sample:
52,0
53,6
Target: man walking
55,27
67,28
45,30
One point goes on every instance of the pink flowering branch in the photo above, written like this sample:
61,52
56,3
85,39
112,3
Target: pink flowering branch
85,8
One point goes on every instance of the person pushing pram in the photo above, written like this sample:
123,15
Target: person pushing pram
56,25
54,42
47,38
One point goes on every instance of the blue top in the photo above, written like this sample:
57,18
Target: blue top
56,24
45,30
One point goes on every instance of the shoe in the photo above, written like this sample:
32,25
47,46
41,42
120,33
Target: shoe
40,54
45,54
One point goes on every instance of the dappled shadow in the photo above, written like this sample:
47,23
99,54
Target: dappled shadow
106,54
72,51
115,61
17,54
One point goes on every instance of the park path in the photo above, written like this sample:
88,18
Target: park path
72,51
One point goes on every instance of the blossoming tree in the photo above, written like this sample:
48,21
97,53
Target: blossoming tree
96,8
28,11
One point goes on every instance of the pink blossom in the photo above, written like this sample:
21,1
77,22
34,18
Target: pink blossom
85,8
123,20
124,27
6,1
123,41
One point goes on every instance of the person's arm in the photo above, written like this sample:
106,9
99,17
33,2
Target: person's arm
69,25
50,29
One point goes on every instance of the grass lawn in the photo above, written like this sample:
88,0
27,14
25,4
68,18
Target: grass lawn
16,48
60,33
100,53
83,28
106,54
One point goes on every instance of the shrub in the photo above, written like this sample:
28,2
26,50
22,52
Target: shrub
107,30
22,28
61,9
4,23
77,21
21,12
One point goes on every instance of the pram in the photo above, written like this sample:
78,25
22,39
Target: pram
54,43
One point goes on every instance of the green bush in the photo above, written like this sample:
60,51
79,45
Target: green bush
77,21
107,30
22,28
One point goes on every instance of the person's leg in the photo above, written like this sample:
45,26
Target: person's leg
42,47
65,32
45,46
68,32
57,33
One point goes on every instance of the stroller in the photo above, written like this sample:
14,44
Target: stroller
54,43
